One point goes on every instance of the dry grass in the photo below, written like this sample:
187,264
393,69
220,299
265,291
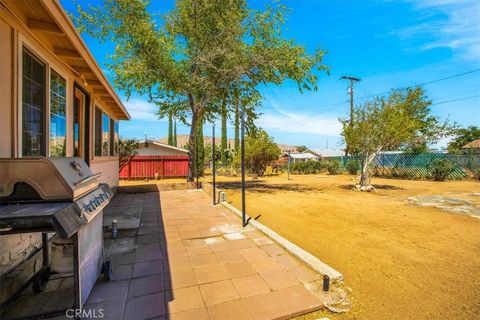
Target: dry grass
402,261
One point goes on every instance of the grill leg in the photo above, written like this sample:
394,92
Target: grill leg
45,260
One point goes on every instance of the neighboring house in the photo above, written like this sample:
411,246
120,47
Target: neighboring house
473,145
325,153
55,101
154,148
298,157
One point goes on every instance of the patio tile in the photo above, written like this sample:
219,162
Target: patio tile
278,279
287,261
242,244
230,310
204,260
198,250
217,292
304,274
148,238
262,241
184,299
146,307
253,253
265,264
180,278
221,246
299,300
273,249
250,286
239,269
231,256
108,291
148,268
213,273
146,285
110,310
122,272
197,314
148,255
126,258
266,306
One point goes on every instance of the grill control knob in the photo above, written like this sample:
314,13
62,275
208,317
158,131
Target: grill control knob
92,204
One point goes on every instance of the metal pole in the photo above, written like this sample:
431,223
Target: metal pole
242,147
213,164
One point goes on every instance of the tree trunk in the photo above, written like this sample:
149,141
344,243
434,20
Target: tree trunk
223,144
170,130
191,147
237,130
200,147
365,176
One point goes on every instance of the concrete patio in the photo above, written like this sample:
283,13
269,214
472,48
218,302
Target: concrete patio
190,260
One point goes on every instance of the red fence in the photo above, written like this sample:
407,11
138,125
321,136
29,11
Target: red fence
143,167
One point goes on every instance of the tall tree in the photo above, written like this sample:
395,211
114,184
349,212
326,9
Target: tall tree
175,132
388,123
236,126
462,136
200,149
223,143
170,130
185,61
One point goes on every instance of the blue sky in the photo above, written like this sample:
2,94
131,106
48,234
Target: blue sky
388,44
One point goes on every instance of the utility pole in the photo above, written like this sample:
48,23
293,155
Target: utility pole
352,80
213,165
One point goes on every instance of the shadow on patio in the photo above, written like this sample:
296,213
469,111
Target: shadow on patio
190,260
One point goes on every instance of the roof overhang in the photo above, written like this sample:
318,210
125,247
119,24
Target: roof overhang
49,23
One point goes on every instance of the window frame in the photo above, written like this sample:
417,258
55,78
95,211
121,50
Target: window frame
51,62
51,70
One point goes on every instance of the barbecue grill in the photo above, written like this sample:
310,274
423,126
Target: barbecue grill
59,195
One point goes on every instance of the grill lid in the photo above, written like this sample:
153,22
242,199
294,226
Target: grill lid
45,179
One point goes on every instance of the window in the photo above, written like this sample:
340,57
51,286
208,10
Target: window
76,126
58,115
98,132
105,134
33,105
113,137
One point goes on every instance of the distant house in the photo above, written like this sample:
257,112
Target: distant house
298,157
154,148
473,145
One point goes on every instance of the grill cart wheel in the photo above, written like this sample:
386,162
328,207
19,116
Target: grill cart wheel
40,280
108,270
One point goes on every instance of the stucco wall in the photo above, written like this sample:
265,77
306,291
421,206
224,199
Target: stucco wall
156,150
109,170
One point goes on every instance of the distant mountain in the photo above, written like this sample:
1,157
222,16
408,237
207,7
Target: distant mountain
182,141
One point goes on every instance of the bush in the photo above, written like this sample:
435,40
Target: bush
476,173
441,169
352,166
308,167
333,167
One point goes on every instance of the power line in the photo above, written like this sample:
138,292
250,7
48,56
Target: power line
459,99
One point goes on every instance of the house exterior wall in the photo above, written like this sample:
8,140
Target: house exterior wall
14,36
156,150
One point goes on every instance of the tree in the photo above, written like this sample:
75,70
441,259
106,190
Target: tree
260,151
127,149
388,123
301,148
223,142
462,137
175,132
200,150
236,124
187,60
170,130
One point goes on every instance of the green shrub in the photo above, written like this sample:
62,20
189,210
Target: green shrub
333,167
308,167
441,169
352,166
476,173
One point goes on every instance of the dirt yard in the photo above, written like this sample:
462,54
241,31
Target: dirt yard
410,250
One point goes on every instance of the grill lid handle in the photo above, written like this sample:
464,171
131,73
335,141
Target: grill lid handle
88,178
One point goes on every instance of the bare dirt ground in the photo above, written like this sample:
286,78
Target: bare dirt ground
404,255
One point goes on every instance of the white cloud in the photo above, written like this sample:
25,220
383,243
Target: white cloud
287,122
142,110
457,29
